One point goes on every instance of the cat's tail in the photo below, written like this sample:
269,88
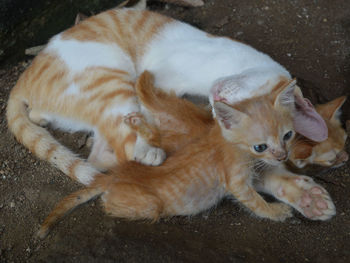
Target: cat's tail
67,205
41,143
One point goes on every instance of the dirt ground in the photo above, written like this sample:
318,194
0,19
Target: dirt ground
312,40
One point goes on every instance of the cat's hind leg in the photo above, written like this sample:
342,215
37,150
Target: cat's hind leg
300,192
102,156
131,201
110,98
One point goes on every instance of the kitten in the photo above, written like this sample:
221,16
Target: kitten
212,163
84,80
329,153
305,156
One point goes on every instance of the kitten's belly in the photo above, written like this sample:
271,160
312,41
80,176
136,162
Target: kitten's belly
197,198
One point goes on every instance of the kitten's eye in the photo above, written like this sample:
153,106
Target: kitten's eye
260,148
287,136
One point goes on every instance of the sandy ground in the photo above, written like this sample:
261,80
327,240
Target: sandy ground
310,38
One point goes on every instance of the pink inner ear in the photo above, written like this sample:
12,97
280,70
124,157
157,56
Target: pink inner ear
308,122
215,91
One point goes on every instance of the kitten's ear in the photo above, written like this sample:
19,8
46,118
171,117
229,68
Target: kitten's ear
227,116
285,95
307,121
330,109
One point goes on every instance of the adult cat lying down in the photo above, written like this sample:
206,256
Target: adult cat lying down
208,160
84,80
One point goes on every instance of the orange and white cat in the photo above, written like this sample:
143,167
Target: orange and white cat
214,160
329,153
84,80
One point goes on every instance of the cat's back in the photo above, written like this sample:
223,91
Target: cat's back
116,32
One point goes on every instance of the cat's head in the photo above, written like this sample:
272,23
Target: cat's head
329,153
260,81
261,126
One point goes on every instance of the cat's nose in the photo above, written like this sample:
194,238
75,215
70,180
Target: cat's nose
280,155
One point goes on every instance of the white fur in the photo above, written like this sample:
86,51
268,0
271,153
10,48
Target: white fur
79,55
187,60
85,173
122,109
66,124
73,89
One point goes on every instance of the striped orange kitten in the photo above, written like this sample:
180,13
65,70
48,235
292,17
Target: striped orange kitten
214,160
84,80
329,153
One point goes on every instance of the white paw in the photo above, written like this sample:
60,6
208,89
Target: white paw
311,199
38,118
149,155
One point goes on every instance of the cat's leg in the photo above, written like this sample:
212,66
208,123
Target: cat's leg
38,117
128,145
101,156
147,131
242,190
108,104
132,201
301,192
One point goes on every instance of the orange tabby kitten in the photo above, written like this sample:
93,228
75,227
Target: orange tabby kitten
305,155
329,153
214,160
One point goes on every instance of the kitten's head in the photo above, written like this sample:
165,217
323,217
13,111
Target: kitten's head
261,126
329,153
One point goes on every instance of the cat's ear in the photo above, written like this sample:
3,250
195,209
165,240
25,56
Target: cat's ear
307,121
331,109
227,116
285,95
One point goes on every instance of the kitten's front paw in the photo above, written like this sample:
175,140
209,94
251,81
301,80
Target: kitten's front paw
309,198
280,211
149,155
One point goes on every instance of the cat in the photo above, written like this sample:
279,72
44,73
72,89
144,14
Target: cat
329,153
305,156
84,80
211,163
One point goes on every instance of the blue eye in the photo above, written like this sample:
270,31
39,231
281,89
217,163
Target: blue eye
260,148
287,136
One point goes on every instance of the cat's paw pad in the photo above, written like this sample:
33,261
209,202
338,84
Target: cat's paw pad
311,199
150,155
134,119
280,211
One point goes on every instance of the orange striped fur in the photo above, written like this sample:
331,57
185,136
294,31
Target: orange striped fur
47,87
206,165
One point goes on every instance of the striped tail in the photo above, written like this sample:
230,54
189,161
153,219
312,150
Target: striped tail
41,143
67,205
